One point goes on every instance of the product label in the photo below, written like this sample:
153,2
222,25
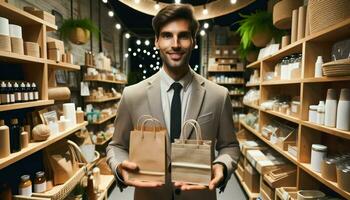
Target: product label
18,96
38,188
27,191
25,96
36,95
4,98
31,96
12,98
294,109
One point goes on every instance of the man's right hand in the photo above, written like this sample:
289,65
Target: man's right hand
125,167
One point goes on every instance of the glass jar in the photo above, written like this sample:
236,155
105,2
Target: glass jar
40,182
25,186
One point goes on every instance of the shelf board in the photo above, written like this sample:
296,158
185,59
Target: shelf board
250,194
253,85
104,142
61,65
281,82
255,64
238,176
29,104
104,70
229,83
103,121
18,16
281,115
333,185
295,47
326,79
252,106
225,71
279,150
102,100
331,131
36,146
236,94
105,81
19,58
106,182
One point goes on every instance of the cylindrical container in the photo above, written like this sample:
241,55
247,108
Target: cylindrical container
301,22
15,135
17,45
69,113
24,140
310,195
318,154
90,188
294,31
53,126
25,187
330,108
80,115
63,124
320,113
328,169
5,43
343,176
4,26
318,67
28,129
285,41
97,178
5,192
40,182
343,113
15,31
4,140
59,93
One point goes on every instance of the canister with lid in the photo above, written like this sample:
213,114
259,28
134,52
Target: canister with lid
318,154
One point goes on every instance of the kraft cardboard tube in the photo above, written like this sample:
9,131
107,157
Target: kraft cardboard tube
285,41
4,140
59,93
24,139
5,43
307,23
17,45
294,31
301,22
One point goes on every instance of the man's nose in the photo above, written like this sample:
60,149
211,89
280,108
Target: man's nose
175,43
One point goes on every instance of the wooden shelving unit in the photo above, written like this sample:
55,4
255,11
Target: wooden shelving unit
29,104
250,194
105,81
311,90
102,100
106,183
36,146
252,85
61,65
104,120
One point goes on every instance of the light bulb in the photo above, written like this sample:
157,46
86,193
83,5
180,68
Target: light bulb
126,55
134,54
138,42
110,13
202,33
140,65
137,1
144,51
127,35
104,1
196,47
144,71
138,49
144,77
177,1
156,6
153,56
205,11
129,49
233,1
118,26
147,42
206,25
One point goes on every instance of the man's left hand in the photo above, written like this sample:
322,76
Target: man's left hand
218,176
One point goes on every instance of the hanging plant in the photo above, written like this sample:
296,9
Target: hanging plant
78,31
257,28
250,54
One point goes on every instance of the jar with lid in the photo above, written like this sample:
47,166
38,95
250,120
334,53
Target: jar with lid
313,113
25,187
40,182
318,154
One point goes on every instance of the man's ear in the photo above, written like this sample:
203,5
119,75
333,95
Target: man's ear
156,42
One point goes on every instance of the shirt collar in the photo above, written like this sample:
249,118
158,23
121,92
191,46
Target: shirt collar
168,81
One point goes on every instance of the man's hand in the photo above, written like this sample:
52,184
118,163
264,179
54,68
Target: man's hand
125,167
218,176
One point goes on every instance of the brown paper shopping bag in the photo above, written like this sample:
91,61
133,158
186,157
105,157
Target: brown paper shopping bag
191,159
148,150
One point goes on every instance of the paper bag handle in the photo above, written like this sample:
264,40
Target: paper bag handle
196,127
154,125
142,118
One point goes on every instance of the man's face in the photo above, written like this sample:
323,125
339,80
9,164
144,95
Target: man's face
175,44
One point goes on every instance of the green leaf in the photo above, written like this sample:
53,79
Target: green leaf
70,24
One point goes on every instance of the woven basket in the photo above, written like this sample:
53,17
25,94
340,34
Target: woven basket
324,13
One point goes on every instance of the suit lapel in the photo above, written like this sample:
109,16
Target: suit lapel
154,99
196,101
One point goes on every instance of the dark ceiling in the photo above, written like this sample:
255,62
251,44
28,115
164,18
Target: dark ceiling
140,24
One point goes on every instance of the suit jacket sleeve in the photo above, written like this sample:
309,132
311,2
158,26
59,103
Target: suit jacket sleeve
227,144
118,148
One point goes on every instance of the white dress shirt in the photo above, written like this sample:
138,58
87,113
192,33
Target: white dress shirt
167,94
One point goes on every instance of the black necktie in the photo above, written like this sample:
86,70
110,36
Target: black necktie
175,113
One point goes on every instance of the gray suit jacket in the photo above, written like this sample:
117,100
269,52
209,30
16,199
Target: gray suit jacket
209,104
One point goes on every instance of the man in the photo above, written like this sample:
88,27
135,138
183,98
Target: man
174,95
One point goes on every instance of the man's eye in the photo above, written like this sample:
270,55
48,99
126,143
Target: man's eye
166,36
184,36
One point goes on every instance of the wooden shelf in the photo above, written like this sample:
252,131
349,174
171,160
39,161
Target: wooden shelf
225,71
105,183
333,33
281,115
281,82
29,104
326,79
103,70
236,94
18,58
255,64
229,83
102,100
295,47
333,185
105,81
331,131
252,106
63,66
252,85
107,140
103,121
250,194
36,146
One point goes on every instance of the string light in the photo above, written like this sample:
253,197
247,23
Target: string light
148,53
154,48
205,10
157,63
118,26
147,42
202,33
144,77
156,6
144,71
104,1
177,1
140,65
153,56
206,25
156,52
138,49
127,35
126,55
138,42
129,49
110,13
196,47
134,54
137,1
233,1
144,51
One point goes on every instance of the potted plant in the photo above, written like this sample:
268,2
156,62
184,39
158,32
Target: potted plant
250,53
77,31
257,28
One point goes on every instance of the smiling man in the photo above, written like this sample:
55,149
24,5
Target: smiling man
173,95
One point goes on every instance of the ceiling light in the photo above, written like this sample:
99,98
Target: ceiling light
126,55
129,49
233,1
118,26
104,1
137,1
196,47
110,13
205,10
127,35
177,1
156,6
138,42
206,25
202,33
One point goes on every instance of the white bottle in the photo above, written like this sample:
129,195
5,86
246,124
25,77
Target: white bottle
343,114
320,113
318,67
330,108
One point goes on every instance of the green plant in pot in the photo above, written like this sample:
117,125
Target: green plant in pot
250,53
78,31
257,28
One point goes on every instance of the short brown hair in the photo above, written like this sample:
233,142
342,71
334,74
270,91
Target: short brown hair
173,12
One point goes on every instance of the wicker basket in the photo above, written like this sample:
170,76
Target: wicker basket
324,13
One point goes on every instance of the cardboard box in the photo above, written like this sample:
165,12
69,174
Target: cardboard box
251,178
54,54
32,49
41,14
53,43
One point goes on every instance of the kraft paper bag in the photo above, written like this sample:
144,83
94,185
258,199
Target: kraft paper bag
191,159
148,150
